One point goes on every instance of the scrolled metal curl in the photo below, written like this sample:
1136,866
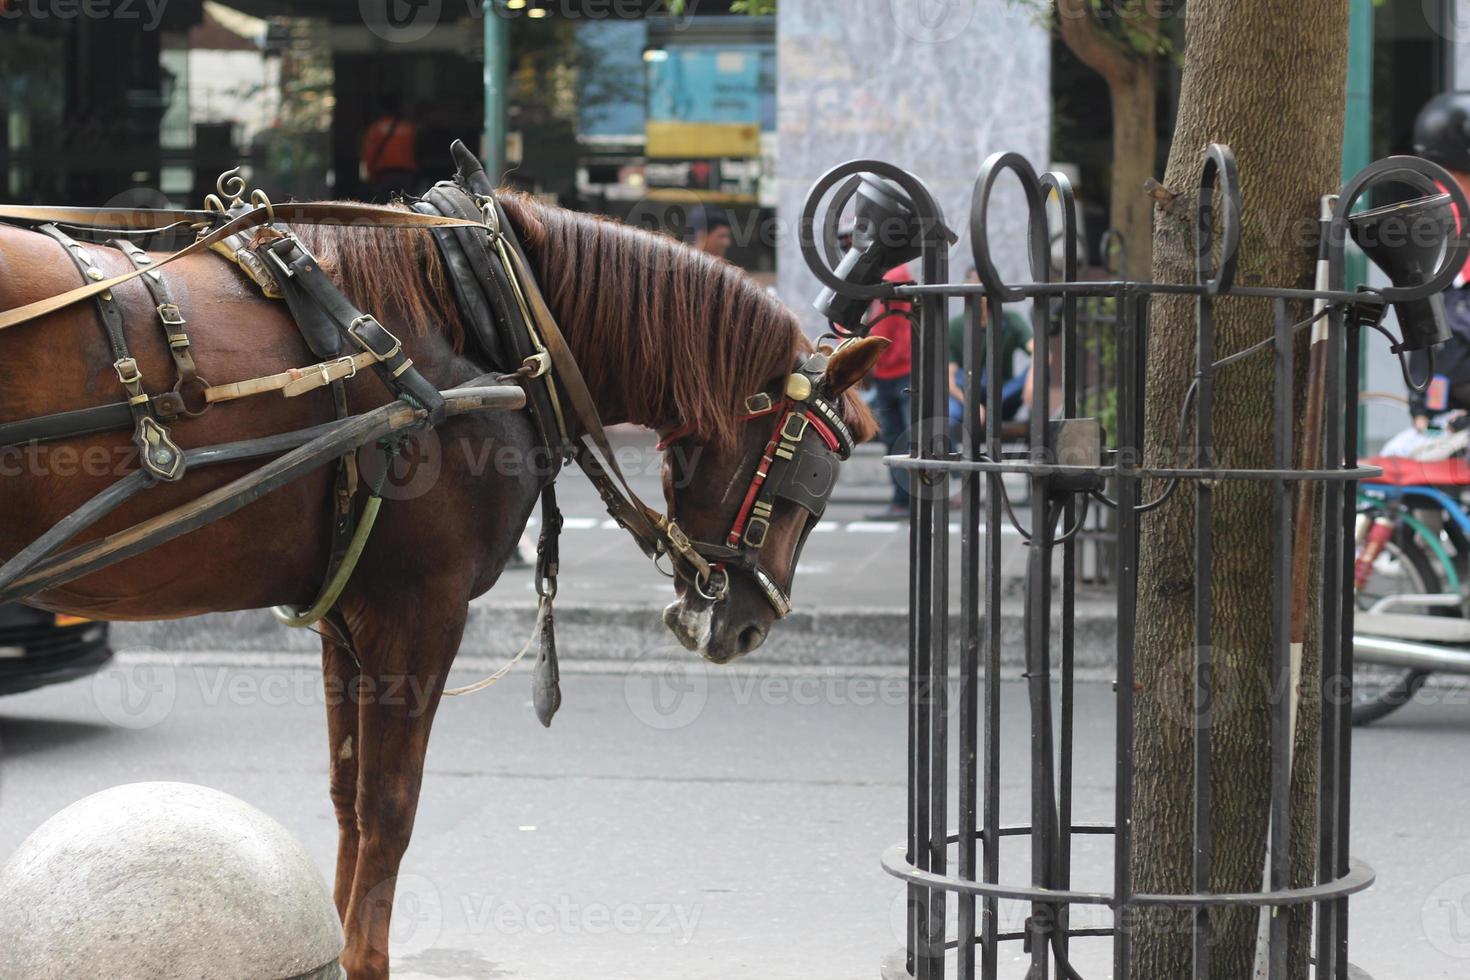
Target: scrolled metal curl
926,208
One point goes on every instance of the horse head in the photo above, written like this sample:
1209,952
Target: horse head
750,506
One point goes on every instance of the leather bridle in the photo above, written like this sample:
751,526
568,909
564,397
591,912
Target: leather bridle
797,464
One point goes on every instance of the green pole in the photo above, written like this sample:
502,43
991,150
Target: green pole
497,71
1357,135
1357,148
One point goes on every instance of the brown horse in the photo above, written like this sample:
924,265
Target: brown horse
666,337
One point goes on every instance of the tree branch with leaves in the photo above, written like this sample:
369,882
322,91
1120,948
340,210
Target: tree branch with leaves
1124,42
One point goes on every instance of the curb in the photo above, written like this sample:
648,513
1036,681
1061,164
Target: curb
611,633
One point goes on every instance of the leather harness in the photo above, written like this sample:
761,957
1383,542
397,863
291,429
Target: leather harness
503,305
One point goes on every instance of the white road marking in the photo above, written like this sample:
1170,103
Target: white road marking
874,527
823,527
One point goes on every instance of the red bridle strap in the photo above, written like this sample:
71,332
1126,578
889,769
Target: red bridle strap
821,428
762,470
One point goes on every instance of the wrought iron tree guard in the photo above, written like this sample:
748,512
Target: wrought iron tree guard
955,846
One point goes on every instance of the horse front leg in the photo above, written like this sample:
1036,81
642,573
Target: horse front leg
405,661
341,680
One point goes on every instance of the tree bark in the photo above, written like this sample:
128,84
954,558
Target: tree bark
1132,79
1267,79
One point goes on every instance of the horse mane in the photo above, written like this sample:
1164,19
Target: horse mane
684,336
677,335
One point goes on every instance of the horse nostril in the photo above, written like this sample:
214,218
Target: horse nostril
750,638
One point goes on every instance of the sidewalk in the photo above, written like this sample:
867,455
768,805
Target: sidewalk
851,590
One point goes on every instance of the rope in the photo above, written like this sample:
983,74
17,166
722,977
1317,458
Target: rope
542,610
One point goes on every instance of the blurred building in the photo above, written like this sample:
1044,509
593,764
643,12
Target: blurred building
615,106
604,105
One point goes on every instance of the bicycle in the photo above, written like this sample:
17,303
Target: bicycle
1411,565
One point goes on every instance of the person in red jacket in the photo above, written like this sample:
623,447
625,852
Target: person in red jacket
388,147
890,382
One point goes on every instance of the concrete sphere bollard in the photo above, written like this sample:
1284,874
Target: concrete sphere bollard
162,881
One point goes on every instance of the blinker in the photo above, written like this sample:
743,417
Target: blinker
809,482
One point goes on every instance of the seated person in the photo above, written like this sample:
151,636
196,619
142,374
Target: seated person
1015,389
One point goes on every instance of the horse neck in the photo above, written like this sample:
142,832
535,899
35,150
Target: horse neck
619,386
664,335
630,363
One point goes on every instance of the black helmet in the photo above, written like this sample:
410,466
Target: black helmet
1442,131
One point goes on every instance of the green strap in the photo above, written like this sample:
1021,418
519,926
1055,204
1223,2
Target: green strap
332,591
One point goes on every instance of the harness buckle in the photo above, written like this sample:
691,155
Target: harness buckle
492,217
756,540
271,253
538,364
127,371
800,427
759,402
678,540
171,315
355,330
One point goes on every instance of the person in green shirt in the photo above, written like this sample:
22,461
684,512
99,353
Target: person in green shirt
1014,383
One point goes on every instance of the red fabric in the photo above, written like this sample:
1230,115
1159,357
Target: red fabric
1465,271
1401,472
893,322
389,145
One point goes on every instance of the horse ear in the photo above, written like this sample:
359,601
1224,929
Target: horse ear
851,362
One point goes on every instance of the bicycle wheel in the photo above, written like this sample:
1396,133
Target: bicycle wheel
1405,566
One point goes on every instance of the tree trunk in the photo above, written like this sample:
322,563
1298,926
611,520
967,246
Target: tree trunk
1267,79
1135,143
1132,79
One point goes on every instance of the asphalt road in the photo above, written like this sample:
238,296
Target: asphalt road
679,821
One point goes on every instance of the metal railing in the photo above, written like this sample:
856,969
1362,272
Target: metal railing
953,849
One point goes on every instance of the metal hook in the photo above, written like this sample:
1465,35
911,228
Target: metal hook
258,198
1039,246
